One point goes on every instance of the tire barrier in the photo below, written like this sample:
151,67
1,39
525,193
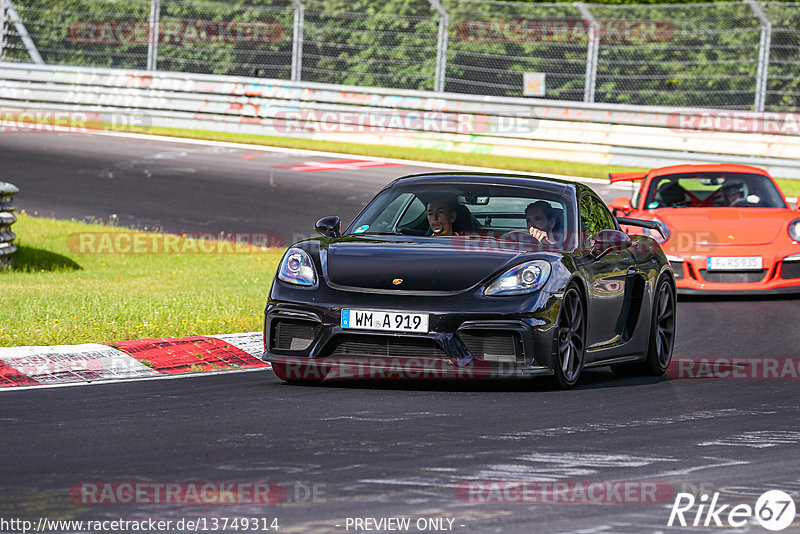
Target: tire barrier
7,218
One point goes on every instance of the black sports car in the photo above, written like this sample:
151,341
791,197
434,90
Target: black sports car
469,275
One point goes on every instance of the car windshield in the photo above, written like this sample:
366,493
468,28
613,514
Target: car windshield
713,189
480,210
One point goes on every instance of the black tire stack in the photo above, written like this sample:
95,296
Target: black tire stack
7,218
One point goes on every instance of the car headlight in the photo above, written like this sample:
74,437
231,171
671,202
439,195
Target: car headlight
524,278
794,229
297,268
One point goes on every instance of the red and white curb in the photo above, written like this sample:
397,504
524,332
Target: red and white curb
141,358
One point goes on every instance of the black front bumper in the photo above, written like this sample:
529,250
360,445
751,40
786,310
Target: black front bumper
509,337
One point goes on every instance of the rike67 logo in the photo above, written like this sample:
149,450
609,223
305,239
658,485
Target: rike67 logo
774,510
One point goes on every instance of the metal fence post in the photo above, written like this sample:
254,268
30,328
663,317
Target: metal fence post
592,52
152,38
22,31
441,46
762,74
3,28
297,41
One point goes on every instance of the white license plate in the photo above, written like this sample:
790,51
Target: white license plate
385,320
736,263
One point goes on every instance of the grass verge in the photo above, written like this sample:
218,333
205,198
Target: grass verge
790,187
55,295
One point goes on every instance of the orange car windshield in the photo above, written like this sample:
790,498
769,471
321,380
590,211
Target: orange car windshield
713,190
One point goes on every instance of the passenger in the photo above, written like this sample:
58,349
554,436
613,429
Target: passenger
441,216
541,222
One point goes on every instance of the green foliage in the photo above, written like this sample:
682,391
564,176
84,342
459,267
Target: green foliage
55,294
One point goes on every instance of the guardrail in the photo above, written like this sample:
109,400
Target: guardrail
581,132
7,218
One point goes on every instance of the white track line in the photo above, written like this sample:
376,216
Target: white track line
342,155
338,155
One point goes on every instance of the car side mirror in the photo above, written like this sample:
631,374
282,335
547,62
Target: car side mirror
621,206
329,226
609,240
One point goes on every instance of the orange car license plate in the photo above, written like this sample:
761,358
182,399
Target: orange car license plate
735,263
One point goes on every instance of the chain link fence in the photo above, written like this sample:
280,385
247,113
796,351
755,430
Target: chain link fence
707,57
378,45
783,82
492,45
727,55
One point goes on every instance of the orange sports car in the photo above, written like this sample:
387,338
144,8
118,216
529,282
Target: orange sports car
726,229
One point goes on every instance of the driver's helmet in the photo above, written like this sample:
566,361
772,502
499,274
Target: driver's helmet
733,190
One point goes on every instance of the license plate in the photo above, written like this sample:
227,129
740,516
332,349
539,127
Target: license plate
736,263
385,320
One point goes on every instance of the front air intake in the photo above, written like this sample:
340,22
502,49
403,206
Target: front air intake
733,277
384,346
494,345
292,334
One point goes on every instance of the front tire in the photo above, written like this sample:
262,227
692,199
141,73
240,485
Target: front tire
570,339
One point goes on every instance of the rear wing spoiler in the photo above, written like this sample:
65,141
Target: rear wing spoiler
643,224
626,176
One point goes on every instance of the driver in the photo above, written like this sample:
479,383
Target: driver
732,192
441,216
541,221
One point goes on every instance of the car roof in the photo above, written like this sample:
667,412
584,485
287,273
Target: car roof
518,180
708,167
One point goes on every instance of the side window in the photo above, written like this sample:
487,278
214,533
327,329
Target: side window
390,213
594,216
412,213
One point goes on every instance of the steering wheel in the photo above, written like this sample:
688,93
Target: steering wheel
740,202
523,232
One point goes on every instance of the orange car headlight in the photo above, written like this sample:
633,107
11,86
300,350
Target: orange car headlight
794,229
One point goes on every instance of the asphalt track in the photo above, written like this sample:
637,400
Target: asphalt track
379,449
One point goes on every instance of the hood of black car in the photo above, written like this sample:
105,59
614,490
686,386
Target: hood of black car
438,264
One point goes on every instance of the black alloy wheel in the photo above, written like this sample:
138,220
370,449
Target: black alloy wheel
571,340
662,329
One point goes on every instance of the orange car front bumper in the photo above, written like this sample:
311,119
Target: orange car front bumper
780,273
